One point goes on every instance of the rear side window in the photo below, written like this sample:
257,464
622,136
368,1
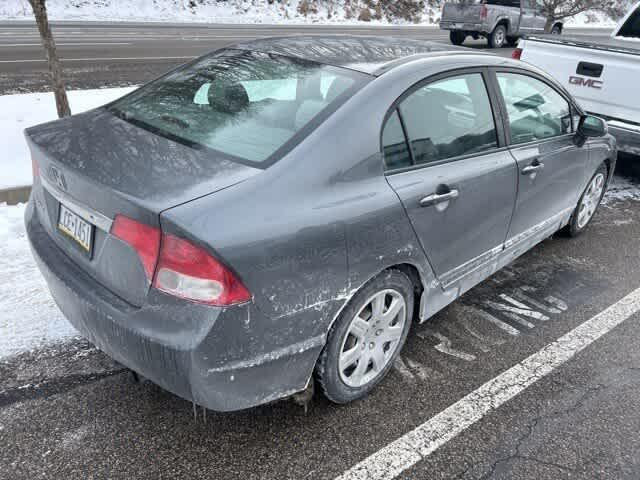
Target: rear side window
246,105
394,144
536,111
631,28
449,118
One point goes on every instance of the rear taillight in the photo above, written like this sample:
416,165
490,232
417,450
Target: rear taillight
517,53
35,168
144,239
483,11
187,271
181,269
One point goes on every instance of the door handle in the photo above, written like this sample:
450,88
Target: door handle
436,198
533,168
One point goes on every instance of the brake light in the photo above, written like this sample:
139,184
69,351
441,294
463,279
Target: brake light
516,54
35,168
187,271
144,239
483,11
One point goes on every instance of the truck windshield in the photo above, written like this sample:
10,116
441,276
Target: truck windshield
631,28
246,105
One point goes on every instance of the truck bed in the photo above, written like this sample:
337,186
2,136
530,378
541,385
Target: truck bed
595,42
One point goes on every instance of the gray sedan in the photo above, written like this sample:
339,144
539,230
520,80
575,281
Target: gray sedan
279,212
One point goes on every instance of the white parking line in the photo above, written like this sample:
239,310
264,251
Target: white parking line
408,450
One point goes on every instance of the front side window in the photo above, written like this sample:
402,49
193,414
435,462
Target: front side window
536,111
631,28
449,118
244,104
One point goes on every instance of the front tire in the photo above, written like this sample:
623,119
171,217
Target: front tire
556,30
512,41
457,38
588,203
498,37
366,338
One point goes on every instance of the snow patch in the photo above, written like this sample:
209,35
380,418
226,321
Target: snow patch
621,189
24,110
29,317
208,11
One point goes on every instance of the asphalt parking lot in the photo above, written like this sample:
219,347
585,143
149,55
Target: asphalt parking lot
68,411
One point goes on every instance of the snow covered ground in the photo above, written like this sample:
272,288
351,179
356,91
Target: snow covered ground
18,112
230,11
28,316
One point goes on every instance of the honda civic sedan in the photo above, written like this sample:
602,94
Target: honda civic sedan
281,211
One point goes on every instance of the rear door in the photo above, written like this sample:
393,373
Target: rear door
451,171
551,167
539,19
527,17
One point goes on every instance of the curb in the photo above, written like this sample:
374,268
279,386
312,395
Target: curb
15,195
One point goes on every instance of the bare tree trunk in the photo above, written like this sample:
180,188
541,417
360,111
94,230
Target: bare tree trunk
549,24
46,37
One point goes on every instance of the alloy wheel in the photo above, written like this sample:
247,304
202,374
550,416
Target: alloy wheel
372,338
590,200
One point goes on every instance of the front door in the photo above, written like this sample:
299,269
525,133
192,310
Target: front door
456,183
550,166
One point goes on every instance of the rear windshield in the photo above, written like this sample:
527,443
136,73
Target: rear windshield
250,106
631,28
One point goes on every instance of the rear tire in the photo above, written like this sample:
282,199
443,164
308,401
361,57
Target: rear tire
457,38
556,30
498,37
366,338
588,203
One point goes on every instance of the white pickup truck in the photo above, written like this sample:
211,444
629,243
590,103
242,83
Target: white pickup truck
600,72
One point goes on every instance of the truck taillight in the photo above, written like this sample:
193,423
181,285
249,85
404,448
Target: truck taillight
188,271
35,168
483,11
516,54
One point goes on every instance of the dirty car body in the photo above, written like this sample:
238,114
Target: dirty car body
293,194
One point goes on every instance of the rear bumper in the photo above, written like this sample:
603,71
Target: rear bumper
463,26
222,358
627,136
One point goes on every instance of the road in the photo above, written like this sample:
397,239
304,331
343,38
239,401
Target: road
117,54
68,411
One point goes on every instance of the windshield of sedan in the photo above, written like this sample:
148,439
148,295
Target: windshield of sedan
250,106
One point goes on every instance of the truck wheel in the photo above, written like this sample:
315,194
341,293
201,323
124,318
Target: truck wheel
366,338
512,41
498,37
457,38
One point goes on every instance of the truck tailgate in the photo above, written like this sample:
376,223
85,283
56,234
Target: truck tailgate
460,12
599,73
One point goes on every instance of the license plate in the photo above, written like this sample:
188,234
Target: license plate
458,26
76,228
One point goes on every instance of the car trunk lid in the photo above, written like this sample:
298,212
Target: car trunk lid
97,166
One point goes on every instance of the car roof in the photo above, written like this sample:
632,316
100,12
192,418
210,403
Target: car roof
366,54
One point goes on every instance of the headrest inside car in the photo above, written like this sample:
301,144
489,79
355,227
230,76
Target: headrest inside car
231,98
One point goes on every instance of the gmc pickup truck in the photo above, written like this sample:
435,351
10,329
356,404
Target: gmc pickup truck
600,72
500,21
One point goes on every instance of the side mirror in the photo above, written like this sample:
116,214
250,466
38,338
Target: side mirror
590,127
